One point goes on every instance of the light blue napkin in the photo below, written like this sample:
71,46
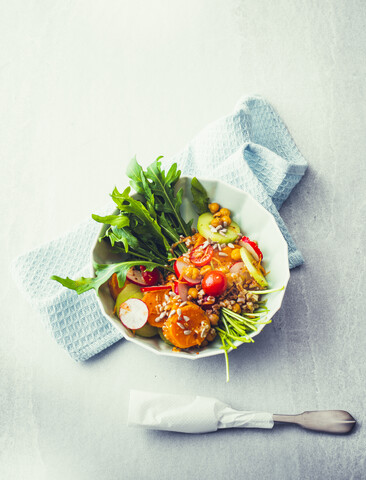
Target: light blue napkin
251,148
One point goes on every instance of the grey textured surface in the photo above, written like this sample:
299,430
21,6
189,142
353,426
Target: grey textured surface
83,88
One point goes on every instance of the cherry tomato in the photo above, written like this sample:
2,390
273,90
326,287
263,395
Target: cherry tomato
200,256
214,283
150,278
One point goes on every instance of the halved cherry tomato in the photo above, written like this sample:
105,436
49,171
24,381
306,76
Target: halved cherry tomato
150,278
201,256
214,283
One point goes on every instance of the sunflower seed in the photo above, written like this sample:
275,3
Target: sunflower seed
223,254
187,332
221,232
180,325
166,298
179,312
183,303
230,245
219,227
172,312
187,319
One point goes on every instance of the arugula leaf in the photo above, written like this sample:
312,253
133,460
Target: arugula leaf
140,184
103,274
119,221
200,197
138,181
162,185
127,204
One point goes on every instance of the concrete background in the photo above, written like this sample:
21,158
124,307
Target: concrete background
85,85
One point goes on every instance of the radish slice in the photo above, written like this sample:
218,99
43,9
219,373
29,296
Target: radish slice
181,289
135,276
179,266
239,268
252,248
133,313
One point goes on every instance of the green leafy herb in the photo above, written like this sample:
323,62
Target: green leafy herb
200,197
144,228
161,190
116,220
103,274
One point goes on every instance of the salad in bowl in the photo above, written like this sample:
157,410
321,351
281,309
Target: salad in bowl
178,270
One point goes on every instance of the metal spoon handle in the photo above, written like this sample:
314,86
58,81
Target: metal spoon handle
330,421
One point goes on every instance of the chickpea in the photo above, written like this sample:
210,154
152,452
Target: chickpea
214,319
211,335
236,308
187,271
225,212
171,277
235,254
218,214
230,280
223,269
193,293
205,270
214,207
215,222
194,273
226,219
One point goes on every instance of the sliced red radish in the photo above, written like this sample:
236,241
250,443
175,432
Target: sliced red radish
135,276
181,289
156,288
179,266
239,268
133,313
252,248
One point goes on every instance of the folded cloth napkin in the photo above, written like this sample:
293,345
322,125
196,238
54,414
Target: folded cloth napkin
189,414
251,149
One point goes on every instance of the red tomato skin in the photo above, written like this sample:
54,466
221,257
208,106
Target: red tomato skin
214,283
204,259
150,278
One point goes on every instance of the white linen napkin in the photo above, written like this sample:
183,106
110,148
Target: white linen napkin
189,414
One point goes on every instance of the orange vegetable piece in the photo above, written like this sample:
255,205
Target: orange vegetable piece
153,300
113,286
223,261
194,331
198,240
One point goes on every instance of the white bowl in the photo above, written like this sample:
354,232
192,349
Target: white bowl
255,222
